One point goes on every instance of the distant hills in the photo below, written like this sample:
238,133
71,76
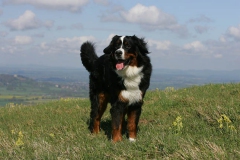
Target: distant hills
21,83
20,89
32,84
161,78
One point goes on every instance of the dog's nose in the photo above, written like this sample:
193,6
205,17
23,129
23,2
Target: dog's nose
118,53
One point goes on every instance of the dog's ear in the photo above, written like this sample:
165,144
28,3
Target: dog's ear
110,47
141,44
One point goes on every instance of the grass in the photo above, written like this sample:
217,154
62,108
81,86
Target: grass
22,99
200,122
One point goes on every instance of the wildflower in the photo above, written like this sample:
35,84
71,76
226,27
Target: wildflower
225,121
12,131
52,135
19,141
232,128
177,124
169,89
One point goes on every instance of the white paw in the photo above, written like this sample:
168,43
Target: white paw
132,139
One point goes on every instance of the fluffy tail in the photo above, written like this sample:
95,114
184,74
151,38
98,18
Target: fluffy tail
88,55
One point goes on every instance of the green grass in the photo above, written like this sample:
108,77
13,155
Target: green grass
175,124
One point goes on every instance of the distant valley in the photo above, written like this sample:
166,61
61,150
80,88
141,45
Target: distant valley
27,84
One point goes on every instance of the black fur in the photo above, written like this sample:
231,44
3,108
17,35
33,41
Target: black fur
106,85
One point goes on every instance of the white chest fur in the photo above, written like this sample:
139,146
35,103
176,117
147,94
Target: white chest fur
131,79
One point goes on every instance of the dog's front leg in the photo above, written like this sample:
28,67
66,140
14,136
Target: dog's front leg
134,112
118,114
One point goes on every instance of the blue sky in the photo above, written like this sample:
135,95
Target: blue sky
180,34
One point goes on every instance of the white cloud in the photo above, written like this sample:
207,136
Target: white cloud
48,24
234,32
159,45
142,14
43,45
76,40
23,40
26,21
64,45
152,18
148,16
70,5
222,39
195,46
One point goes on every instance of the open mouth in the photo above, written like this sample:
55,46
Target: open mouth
121,64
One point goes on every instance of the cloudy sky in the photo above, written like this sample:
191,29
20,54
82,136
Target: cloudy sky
182,34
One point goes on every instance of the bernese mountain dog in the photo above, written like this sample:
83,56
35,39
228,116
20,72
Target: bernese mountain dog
120,77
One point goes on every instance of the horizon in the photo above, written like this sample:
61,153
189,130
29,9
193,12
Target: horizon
80,67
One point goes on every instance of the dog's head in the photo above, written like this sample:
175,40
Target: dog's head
125,50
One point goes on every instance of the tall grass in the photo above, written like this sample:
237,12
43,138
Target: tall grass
191,123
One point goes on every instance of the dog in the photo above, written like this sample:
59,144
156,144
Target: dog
120,77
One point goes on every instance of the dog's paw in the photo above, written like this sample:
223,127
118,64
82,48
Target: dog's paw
132,139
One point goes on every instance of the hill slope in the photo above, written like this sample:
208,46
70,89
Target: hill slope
20,89
191,123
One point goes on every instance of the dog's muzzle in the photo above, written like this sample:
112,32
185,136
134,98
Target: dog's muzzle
118,54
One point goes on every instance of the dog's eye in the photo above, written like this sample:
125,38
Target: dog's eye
116,45
128,46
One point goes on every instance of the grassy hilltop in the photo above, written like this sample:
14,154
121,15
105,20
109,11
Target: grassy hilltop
200,122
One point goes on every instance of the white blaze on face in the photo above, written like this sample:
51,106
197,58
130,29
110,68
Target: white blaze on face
120,65
121,48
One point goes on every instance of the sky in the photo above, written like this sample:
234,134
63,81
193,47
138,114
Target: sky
186,34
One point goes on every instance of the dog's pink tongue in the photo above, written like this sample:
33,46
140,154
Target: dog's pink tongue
119,66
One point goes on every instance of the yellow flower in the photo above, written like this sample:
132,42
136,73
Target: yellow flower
174,123
178,125
20,134
12,131
169,89
51,135
220,125
232,128
225,121
19,141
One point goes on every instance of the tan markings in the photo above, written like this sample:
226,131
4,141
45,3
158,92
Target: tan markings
103,99
117,130
131,124
102,105
134,58
121,98
96,126
116,135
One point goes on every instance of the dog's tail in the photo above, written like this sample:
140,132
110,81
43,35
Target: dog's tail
88,55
